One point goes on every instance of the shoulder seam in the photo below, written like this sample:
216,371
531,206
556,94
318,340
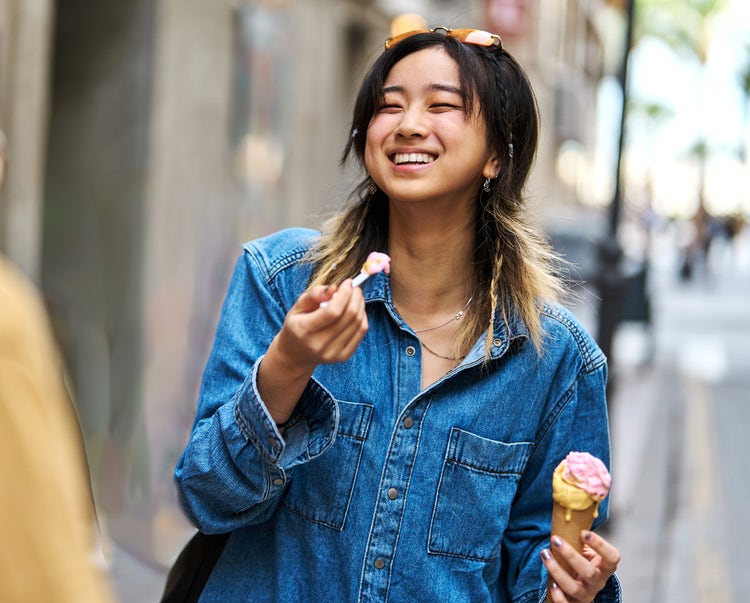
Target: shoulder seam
591,361
276,263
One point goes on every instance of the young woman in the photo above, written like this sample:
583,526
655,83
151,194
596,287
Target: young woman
397,442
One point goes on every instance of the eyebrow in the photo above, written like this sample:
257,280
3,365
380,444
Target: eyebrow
432,87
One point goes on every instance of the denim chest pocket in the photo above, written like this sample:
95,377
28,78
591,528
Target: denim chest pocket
477,485
321,490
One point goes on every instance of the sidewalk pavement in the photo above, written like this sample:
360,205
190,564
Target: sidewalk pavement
679,415
133,580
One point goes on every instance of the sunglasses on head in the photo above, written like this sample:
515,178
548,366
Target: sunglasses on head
467,36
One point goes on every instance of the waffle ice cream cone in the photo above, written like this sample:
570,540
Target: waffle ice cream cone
570,529
579,484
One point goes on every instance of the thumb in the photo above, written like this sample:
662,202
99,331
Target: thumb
311,299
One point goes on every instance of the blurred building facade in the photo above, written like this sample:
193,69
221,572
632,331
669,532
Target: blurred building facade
25,46
149,138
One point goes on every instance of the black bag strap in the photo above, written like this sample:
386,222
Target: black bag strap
192,568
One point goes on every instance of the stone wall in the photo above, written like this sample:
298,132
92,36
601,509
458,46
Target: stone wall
178,130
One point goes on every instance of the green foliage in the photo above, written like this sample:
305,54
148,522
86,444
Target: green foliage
699,150
685,25
650,113
654,112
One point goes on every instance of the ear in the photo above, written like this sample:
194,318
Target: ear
492,167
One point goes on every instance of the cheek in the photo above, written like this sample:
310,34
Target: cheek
377,130
368,162
373,141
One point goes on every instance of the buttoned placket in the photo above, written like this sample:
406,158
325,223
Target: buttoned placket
399,463
394,481
395,478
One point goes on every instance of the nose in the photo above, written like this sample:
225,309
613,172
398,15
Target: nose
412,124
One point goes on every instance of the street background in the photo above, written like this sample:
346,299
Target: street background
146,140
680,417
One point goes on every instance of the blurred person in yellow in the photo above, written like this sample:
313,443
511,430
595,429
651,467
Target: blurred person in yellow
48,551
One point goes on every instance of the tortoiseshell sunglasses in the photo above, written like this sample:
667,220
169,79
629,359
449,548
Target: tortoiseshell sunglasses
467,36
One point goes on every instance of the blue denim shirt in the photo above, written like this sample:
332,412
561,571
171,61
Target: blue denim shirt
380,490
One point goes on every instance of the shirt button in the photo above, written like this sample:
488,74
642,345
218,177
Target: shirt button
497,343
408,422
379,563
392,493
278,482
410,350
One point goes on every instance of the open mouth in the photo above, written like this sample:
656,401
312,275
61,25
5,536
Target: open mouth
412,158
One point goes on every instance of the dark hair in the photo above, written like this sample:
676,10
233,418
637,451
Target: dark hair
490,78
513,263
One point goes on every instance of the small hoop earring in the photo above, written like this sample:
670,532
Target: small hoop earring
486,185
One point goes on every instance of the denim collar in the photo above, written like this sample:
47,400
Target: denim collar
377,288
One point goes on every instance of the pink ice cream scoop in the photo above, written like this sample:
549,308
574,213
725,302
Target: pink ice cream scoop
587,473
376,262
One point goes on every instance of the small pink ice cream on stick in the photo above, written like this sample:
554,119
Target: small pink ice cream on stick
376,262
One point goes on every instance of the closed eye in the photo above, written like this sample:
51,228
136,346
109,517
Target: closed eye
446,107
389,108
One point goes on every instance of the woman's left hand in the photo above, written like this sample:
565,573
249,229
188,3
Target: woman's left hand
591,569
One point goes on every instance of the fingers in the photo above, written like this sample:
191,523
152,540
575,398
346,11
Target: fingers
562,584
312,299
327,305
346,332
555,594
345,305
587,575
608,554
325,334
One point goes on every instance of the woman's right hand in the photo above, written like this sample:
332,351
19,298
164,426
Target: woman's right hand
311,335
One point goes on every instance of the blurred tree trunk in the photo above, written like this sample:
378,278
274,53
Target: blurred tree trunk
744,78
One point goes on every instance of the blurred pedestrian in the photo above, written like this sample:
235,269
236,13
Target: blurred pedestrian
703,229
48,551
381,442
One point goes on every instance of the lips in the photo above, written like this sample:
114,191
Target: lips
412,158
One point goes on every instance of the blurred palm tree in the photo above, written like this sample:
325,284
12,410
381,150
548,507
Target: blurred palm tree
686,26
652,116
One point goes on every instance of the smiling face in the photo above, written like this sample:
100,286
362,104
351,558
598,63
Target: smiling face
421,143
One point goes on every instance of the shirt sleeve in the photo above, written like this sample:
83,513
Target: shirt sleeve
578,421
236,463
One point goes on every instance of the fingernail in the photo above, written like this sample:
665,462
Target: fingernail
586,535
546,555
554,585
557,542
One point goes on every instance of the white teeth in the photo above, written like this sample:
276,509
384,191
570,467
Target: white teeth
400,158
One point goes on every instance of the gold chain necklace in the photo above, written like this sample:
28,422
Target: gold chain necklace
457,316
434,353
